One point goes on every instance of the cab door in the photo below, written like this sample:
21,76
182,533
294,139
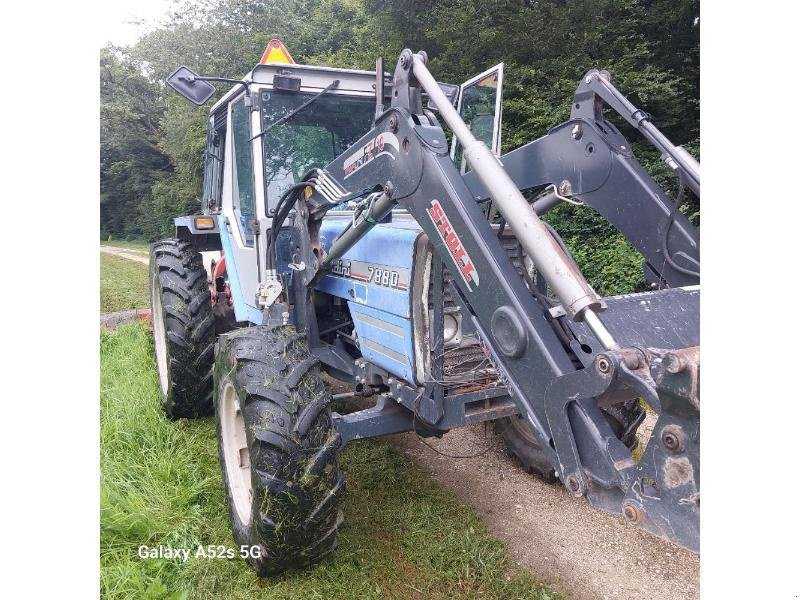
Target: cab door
239,210
480,104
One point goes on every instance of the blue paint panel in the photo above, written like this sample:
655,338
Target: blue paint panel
392,301
385,244
385,339
381,315
242,310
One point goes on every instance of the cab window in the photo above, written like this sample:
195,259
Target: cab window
212,172
243,186
311,138
480,105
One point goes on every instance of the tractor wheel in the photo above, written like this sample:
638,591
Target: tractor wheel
183,328
278,449
624,420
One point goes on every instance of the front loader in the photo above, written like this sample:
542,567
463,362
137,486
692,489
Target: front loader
350,238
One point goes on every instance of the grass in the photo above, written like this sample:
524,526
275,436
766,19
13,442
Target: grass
123,284
404,536
130,244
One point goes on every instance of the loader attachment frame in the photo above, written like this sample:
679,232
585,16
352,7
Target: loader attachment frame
404,161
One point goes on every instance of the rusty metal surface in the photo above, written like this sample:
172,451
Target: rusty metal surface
660,493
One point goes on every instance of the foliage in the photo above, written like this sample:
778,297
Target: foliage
152,143
403,537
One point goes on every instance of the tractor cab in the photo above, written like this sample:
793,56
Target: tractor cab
280,122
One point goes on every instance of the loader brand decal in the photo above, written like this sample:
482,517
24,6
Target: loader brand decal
341,268
379,146
375,274
454,246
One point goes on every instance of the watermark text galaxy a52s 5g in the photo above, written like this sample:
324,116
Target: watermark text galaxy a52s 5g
214,551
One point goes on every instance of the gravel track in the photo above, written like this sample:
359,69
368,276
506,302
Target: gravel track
580,551
140,256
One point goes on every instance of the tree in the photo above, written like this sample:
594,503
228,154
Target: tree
152,142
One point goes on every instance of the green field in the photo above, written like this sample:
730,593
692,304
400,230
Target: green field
123,284
130,244
404,536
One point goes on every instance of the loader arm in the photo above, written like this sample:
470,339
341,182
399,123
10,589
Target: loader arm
589,160
404,161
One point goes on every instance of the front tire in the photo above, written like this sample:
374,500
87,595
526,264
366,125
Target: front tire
277,447
183,328
624,420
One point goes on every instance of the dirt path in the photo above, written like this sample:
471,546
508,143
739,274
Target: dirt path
140,256
576,549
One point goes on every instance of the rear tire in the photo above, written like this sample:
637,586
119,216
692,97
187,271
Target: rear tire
183,328
278,449
624,420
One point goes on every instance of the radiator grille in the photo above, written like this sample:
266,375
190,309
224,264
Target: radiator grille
467,364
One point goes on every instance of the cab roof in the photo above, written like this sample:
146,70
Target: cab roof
352,82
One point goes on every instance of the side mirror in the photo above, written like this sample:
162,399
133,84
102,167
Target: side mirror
190,85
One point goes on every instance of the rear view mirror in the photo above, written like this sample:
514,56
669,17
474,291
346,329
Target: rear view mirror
189,85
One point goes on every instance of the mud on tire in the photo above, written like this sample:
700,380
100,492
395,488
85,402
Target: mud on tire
624,420
183,328
289,457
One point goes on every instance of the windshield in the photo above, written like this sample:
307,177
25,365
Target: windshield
311,138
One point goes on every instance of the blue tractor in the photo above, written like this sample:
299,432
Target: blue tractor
342,233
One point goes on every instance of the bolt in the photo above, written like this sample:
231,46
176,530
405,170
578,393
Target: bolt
573,484
393,123
631,513
603,365
565,188
577,131
672,438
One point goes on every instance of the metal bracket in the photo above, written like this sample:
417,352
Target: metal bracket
664,497
586,385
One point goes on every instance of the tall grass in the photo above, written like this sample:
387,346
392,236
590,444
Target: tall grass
404,536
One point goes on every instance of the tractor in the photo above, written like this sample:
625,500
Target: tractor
364,225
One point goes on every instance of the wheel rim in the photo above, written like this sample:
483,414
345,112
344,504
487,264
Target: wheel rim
160,337
235,453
